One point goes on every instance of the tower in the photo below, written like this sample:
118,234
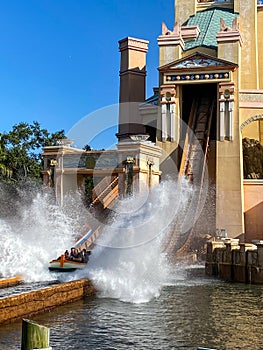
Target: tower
205,117
211,65
132,85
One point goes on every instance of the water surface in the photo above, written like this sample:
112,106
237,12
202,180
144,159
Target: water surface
190,312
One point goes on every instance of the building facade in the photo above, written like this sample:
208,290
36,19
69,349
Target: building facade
210,95
204,120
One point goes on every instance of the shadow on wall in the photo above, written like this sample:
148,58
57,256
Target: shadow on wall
254,223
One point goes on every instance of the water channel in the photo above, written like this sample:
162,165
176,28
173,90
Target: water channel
191,311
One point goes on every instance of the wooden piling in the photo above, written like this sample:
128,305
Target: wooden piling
34,336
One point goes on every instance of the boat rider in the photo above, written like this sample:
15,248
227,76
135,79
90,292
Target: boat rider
85,255
75,255
67,255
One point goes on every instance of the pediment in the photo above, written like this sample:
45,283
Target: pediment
196,62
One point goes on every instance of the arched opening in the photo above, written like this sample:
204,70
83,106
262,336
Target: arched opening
252,145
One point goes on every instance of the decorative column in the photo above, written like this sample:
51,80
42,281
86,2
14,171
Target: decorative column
168,110
150,164
226,106
129,162
222,118
164,121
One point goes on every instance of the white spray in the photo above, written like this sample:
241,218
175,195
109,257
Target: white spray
29,242
128,262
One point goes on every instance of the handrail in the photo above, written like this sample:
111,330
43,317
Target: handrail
110,197
100,187
104,193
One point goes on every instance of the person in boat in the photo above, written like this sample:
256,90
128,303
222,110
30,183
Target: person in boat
85,255
67,255
75,255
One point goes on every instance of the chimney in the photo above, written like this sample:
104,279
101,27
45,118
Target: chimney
132,85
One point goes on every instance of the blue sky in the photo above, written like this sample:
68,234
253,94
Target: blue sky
59,59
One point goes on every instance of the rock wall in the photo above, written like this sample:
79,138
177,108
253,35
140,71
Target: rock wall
236,262
18,306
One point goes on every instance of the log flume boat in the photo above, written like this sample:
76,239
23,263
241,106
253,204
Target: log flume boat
64,264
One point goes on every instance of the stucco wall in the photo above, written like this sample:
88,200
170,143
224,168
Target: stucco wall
253,208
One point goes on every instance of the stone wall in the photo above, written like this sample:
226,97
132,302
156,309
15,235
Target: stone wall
236,262
18,306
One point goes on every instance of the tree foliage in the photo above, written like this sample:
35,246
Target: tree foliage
21,148
87,148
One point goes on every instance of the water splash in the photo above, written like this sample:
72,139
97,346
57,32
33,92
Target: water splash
128,262
38,233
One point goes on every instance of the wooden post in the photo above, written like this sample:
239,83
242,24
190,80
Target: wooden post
34,336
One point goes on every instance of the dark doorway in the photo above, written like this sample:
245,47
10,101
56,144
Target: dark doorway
190,92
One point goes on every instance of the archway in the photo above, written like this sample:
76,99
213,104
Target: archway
252,144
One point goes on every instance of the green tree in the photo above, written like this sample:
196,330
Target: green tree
87,148
21,149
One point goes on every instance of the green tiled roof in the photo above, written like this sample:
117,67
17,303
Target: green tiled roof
208,22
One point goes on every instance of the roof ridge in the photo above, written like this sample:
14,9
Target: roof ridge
209,24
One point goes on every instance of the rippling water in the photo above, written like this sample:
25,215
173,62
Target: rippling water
25,287
190,312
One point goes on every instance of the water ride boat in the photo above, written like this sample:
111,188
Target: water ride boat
64,265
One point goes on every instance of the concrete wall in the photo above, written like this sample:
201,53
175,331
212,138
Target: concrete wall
235,262
18,306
